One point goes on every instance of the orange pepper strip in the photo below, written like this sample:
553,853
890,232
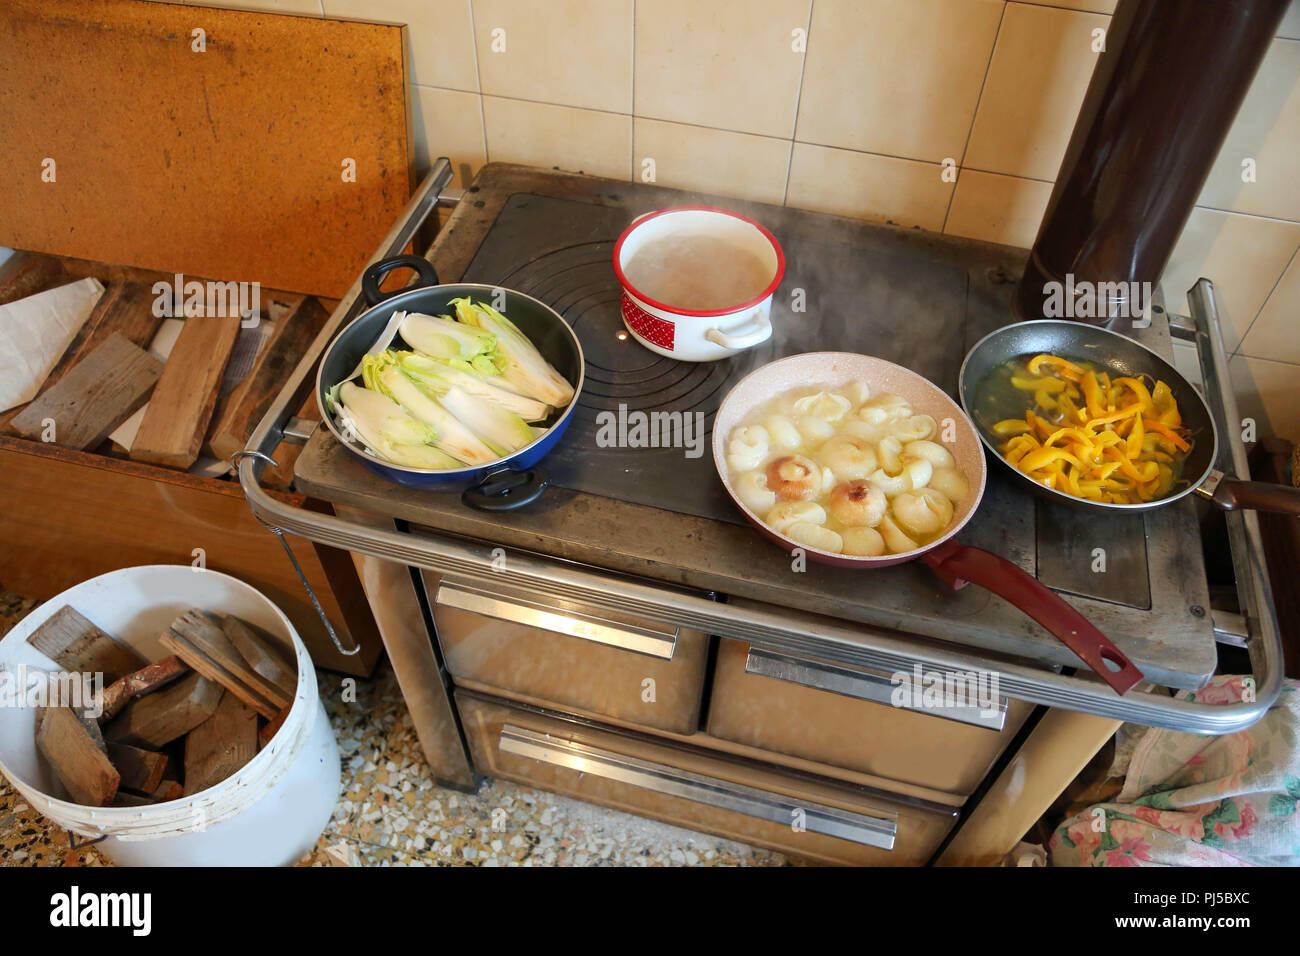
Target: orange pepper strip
1114,416
1067,368
1167,432
1040,427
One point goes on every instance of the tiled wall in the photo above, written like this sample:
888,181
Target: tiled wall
857,120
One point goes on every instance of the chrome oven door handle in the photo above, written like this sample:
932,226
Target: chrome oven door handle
878,832
989,712
649,639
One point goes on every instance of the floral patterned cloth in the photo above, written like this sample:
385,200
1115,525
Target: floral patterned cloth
1197,800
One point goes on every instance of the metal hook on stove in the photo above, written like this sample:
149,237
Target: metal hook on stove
279,533
243,453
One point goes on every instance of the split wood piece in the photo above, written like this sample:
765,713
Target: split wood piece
92,729
173,428
220,746
168,790
144,681
272,728
240,411
198,639
261,656
103,390
152,721
212,670
75,644
84,770
26,273
125,308
125,798
139,770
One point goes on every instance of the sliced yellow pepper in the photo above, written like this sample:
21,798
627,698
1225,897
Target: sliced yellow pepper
1044,456
1066,368
1135,436
1011,426
1094,437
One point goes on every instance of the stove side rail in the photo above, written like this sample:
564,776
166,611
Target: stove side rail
797,635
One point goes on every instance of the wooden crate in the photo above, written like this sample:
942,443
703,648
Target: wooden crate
70,515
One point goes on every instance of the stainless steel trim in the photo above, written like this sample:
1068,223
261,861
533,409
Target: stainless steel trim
450,195
710,791
1210,485
1246,543
800,634
648,640
299,430
874,686
1230,629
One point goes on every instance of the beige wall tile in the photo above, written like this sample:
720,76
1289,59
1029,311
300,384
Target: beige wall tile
1275,333
1039,74
1243,257
448,123
711,160
1090,6
1291,22
1268,392
997,208
867,186
726,63
1267,129
441,39
539,134
569,52
899,77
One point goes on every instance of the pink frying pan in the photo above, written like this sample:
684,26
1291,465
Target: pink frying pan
956,563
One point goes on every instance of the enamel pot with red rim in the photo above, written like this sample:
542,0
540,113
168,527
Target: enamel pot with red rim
686,334
957,564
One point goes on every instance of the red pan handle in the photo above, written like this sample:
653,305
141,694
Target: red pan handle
958,564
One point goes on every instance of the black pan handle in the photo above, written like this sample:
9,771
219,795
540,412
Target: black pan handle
507,490
1234,494
375,273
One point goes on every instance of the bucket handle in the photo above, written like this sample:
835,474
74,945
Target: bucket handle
74,845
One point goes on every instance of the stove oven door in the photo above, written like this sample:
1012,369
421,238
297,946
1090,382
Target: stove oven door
570,657
796,814
847,719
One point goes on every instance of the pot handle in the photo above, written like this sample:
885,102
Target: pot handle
1234,494
759,330
507,490
376,271
958,564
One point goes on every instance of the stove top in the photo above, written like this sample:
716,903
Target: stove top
850,300
912,297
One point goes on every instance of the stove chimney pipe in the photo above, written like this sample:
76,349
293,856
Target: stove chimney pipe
1159,105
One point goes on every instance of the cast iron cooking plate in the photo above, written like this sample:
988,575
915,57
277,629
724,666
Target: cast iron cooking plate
559,252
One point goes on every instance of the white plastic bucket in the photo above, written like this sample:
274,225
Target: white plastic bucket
270,813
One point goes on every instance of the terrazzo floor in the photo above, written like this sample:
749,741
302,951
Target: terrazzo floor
391,813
